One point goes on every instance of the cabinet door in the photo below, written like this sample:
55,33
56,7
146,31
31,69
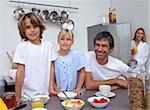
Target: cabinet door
122,38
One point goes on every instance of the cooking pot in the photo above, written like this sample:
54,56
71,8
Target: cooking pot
64,15
45,15
18,13
60,20
69,24
54,16
35,10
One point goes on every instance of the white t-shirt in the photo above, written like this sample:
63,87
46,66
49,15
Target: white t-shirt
113,69
37,60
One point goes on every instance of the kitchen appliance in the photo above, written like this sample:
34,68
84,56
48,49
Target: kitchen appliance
122,38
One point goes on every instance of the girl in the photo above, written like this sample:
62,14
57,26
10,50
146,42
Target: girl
34,57
69,66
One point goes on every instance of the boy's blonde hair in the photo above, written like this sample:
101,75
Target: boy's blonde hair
35,21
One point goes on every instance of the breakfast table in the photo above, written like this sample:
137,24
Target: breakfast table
119,102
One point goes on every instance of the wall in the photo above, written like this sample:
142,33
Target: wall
89,13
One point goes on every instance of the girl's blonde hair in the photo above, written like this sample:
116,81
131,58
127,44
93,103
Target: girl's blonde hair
63,32
35,21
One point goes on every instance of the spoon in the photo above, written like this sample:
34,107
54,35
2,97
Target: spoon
66,95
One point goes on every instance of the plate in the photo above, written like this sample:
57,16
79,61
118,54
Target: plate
112,94
40,109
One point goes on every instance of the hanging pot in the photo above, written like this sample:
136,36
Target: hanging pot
54,16
45,15
64,15
60,20
35,10
69,24
18,13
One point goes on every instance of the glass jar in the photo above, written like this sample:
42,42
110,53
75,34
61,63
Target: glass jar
147,88
136,89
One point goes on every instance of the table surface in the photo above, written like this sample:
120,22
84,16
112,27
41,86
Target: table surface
119,102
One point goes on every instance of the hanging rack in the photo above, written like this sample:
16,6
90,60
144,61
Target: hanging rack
58,6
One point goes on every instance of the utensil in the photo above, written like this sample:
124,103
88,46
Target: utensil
83,90
20,106
28,96
66,95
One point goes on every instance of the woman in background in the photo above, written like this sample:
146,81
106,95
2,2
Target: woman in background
139,49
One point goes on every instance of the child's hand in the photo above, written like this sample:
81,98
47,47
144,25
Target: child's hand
52,92
77,90
18,100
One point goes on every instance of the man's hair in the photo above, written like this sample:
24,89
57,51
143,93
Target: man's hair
104,35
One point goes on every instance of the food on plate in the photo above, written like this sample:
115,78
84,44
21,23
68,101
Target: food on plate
102,100
98,102
73,103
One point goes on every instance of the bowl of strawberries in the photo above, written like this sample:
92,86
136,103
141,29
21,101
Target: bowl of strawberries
98,102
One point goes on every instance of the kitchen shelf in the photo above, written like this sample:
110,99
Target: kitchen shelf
58,6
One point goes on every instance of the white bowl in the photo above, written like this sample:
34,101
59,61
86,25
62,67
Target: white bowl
40,109
45,98
71,95
99,102
74,104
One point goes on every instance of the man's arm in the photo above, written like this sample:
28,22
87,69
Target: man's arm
19,81
94,84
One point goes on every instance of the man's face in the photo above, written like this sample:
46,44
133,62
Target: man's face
102,51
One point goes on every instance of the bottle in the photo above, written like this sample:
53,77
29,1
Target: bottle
110,15
114,16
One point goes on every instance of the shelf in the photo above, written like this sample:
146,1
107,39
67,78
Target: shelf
58,6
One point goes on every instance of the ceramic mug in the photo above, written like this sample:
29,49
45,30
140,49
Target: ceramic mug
105,89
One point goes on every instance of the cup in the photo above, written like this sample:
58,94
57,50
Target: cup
37,103
9,99
105,89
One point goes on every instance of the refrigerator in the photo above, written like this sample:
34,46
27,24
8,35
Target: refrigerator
122,38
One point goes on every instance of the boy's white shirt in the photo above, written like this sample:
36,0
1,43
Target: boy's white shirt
37,60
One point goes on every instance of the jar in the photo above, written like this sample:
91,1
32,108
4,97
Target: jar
9,99
136,89
147,88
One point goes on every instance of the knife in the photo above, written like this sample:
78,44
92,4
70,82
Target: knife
19,106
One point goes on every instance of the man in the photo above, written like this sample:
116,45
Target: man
102,68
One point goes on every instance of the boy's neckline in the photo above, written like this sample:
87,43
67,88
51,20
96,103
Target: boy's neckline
37,44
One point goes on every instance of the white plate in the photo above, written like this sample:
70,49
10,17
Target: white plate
112,94
40,109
